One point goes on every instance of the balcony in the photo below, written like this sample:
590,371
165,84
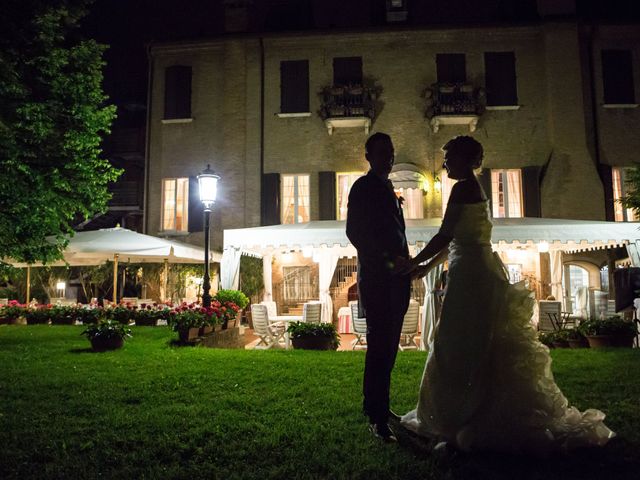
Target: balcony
454,104
347,107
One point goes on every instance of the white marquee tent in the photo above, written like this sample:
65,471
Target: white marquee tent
327,242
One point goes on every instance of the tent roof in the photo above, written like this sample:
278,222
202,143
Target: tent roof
95,247
569,234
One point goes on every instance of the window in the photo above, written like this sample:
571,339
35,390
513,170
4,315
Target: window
446,184
617,77
412,207
294,86
347,71
620,189
506,193
500,78
515,272
175,204
295,198
177,92
451,68
345,181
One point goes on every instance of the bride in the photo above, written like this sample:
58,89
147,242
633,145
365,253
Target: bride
487,383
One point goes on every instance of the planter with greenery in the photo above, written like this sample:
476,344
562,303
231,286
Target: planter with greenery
106,334
576,339
610,332
188,319
231,304
88,315
62,315
121,314
12,312
314,336
38,315
546,338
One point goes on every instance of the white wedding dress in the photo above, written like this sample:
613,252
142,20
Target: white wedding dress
487,383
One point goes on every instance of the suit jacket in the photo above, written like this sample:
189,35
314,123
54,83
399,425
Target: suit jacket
375,226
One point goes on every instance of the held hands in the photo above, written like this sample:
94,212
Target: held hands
403,266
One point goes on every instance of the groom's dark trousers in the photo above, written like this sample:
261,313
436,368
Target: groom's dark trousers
375,226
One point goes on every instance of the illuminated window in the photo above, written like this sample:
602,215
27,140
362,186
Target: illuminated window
620,189
175,204
345,181
295,198
446,184
412,207
506,193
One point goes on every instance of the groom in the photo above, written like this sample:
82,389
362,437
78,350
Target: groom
375,226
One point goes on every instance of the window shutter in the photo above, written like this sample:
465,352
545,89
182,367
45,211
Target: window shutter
607,182
617,77
270,201
196,209
294,86
485,181
531,191
327,188
500,78
451,68
177,92
347,70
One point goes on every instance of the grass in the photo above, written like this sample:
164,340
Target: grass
152,410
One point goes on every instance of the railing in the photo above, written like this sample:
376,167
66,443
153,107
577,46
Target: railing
347,101
345,269
453,99
289,294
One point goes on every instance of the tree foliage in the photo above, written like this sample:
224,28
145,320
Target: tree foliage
52,116
631,198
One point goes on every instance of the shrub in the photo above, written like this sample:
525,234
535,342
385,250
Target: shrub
12,311
324,330
38,315
614,325
232,296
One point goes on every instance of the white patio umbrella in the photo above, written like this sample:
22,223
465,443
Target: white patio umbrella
96,247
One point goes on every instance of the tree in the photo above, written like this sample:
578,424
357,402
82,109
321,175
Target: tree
631,199
52,116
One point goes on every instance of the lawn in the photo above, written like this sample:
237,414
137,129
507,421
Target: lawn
152,410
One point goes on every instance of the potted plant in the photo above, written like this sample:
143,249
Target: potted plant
88,315
62,315
187,320
576,339
146,316
121,313
12,312
38,315
610,332
546,338
232,302
560,339
314,336
106,334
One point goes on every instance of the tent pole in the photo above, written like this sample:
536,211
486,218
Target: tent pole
115,278
28,284
165,279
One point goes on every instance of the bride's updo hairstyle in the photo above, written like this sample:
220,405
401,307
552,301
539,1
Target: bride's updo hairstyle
466,148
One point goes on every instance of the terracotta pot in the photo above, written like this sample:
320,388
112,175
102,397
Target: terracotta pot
313,343
63,321
218,327
101,344
146,322
578,343
187,334
600,341
206,330
560,343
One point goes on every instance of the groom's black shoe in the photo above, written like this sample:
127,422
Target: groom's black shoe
383,432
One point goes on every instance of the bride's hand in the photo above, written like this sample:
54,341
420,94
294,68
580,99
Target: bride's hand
403,266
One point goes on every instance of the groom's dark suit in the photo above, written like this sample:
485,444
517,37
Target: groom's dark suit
376,228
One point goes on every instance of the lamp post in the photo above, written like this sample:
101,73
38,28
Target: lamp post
208,186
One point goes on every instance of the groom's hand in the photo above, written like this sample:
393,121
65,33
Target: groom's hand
402,266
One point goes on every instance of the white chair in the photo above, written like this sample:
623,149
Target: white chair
311,312
410,327
133,301
358,327
548,309
272,308
270,335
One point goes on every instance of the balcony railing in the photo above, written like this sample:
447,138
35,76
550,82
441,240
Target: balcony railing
348,106
454,103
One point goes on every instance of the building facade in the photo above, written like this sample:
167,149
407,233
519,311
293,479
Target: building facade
283,117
